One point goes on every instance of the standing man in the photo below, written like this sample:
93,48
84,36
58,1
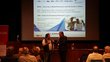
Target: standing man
62,43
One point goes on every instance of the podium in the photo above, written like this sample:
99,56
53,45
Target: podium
3,39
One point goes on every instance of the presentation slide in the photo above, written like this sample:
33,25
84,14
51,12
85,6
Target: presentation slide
52,16
78,19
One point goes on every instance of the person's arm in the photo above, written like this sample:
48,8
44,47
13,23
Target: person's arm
83,23
43,42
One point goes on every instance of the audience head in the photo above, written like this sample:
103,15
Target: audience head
10,50
36,49
95,49
25,50
107,49
20,50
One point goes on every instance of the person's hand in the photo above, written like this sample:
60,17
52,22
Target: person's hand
58,44
48,42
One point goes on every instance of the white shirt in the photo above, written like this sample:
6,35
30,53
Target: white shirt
48,41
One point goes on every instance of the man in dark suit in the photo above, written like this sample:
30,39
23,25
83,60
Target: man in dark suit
62,43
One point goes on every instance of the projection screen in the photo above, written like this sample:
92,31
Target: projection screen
78,19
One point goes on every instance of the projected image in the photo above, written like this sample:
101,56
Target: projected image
52,16
74,24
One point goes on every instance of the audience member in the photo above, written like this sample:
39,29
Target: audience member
36,52
9,55
83,57
20,53
26,57
107,52
95,55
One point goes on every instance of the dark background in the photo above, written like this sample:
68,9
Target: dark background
10,14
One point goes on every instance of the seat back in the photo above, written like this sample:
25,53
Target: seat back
107,59
96,61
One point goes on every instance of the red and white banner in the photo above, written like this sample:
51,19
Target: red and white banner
3,39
